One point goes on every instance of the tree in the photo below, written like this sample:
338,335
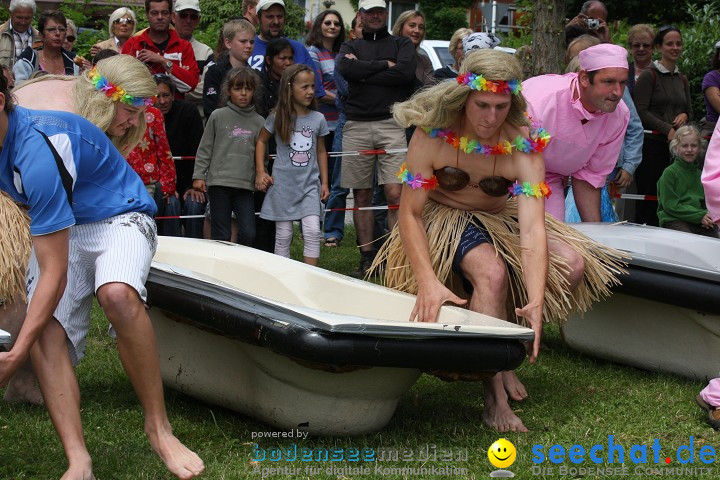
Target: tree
548,33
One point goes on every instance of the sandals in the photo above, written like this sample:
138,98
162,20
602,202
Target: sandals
331,242
713,413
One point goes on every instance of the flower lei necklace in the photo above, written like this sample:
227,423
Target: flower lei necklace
116,93
535,143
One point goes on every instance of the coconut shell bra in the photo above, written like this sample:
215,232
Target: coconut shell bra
454,178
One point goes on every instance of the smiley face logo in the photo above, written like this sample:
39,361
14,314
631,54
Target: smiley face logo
502,453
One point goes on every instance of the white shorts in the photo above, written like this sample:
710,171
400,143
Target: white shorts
117,249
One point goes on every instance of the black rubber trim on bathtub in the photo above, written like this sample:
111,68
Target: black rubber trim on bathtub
688,292
249,319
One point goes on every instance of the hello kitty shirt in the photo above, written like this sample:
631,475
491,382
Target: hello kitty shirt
296,190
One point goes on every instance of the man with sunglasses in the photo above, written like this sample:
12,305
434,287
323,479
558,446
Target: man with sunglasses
162,50
186,18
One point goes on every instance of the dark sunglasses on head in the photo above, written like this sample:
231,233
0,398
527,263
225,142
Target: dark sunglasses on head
192,15
124,20
327,23
70,38
667,27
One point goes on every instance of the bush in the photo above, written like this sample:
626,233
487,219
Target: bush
443,22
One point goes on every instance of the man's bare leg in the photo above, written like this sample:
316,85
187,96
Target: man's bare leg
22,387
392,195
363,219
574,261
61,391
138,353
488,275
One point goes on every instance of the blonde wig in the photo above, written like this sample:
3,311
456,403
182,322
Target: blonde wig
441,105
123,71
118,14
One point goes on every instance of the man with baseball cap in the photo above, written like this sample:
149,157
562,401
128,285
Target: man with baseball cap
162,50
271,19
587,120
380,70
185,17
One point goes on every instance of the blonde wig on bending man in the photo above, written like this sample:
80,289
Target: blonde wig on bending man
441,105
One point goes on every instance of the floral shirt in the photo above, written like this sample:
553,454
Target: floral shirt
151,159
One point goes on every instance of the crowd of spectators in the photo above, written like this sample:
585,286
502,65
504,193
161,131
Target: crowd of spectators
359,75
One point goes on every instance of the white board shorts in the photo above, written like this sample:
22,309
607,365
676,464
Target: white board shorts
117,249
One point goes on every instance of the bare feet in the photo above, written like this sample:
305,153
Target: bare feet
79,471
497,414
180,460
513,386
23,387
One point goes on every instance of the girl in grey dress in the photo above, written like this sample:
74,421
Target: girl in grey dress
299,182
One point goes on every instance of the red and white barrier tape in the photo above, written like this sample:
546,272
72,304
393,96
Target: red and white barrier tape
348,153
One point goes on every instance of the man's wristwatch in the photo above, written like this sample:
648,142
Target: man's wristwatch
168,65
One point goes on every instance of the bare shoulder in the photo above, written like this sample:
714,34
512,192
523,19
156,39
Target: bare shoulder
34,95
425,150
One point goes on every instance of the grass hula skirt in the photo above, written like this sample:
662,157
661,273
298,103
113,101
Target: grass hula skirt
444,227
15,244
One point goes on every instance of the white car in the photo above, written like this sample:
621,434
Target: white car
438,51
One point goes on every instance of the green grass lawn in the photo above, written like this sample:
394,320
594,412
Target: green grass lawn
574,399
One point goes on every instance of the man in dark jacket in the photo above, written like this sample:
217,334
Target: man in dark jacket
380,70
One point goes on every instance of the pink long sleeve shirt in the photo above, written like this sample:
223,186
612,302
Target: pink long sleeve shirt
711,176
584,145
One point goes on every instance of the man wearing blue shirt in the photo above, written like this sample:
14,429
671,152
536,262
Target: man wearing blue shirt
93,233
271,18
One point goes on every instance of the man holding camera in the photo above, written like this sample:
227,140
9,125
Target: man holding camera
593,18
162,50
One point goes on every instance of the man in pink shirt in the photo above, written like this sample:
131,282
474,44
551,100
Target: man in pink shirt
711,176
587,120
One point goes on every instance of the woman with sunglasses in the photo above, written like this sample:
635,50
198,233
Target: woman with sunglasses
51,58
122,26
640,41
324,39
473,149
662,98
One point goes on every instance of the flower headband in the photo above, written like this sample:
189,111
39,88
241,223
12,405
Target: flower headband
117,94
478,82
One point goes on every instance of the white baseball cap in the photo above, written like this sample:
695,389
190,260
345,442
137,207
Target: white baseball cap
265,4
368,4
181,5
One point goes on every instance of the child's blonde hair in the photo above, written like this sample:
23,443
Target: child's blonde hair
684,131
233,27
240,77
285,111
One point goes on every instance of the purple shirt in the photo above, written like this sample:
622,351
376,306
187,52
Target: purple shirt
711,79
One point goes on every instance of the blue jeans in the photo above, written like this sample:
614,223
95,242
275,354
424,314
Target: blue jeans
169,207
224,201
194,226
334,224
